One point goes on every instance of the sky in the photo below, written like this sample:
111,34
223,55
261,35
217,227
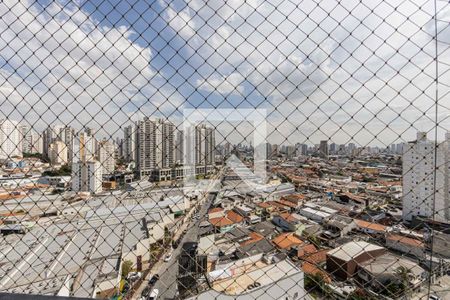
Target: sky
347,71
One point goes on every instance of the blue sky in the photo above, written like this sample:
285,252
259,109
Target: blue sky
348,71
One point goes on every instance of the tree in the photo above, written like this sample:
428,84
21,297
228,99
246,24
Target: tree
127,266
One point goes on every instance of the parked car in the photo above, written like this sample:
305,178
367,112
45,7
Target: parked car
133,276
434,297
145,292
153,279
153,295
168,257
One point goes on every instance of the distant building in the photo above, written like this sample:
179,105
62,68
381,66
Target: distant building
87,172
205,143
420,196
323,149
10,139
106,157
61,133
179,147
129,143
87,176
58,153
154,146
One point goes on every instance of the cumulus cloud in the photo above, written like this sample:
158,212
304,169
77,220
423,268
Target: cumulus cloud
338,70
62,65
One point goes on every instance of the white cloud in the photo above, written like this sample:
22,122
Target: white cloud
62,64
373,60
231,84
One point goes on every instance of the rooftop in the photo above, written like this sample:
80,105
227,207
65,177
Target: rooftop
352,250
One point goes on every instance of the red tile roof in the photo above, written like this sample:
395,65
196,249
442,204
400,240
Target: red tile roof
287,240
312,269
254,237
220,222
234,217
306,249
369,225
405,240
215,209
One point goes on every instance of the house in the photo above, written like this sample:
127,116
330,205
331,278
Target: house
287,241
296,199
406,245
216,212
342,261
380,271
312,269
338,226
369,228
266,228
289,222
227,222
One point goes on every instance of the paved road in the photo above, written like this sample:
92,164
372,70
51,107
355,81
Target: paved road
440,288
167,284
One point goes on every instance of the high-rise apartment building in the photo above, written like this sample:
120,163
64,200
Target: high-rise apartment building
58,153
129,143
205,144
106,157
420,196
87,176
87,172
154,145
179,144
323,149
10,139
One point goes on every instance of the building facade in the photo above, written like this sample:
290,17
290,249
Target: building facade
10,139
420,196
58,153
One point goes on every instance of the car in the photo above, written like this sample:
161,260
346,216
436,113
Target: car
133,276
153,295
153,279
145,292
168,257
434,297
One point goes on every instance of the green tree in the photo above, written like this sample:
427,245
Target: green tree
127,266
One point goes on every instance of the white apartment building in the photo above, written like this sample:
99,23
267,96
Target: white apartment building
205,145
154,145
129,143
87,176
420,196
58,153
10,139
106,157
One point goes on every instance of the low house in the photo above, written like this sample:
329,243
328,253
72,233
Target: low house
383,270
338,226
287,241
370,228
296,199
406,245
288,221
342,261
227,222
266,229
216,212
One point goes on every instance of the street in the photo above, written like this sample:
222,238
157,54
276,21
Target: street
167,284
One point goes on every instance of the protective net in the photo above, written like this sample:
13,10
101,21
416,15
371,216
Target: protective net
254,149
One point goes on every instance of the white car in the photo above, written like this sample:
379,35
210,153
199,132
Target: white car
168,257
153,295
134,276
